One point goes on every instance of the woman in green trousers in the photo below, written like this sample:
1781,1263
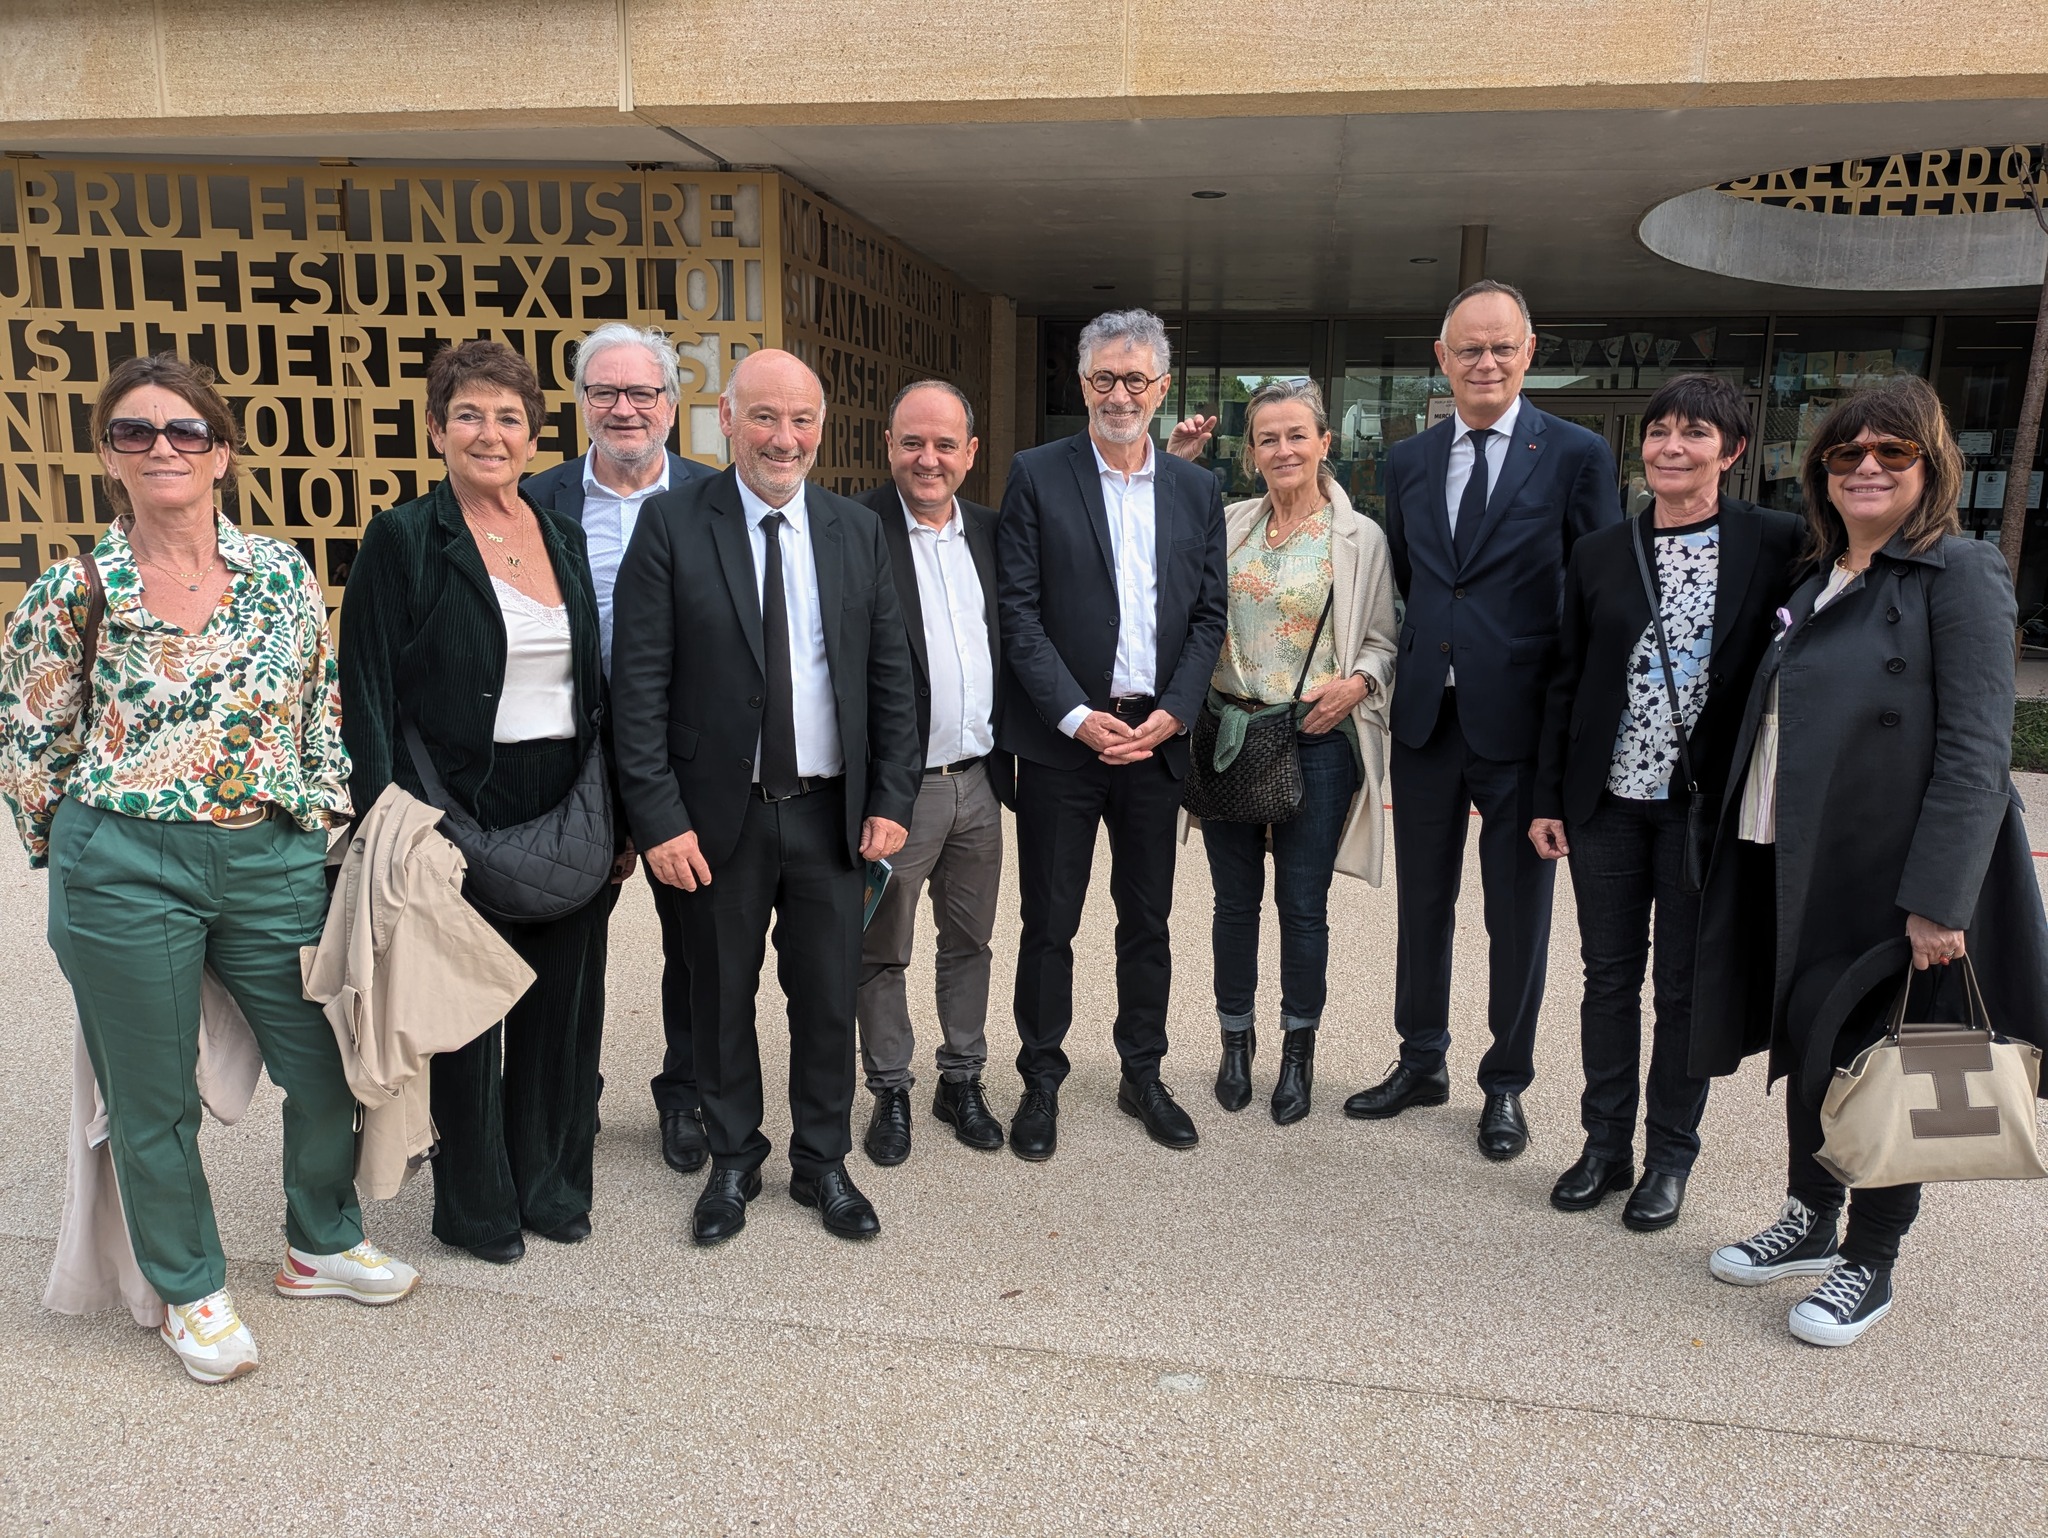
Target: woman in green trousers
180,796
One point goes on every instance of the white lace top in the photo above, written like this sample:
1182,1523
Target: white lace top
539,697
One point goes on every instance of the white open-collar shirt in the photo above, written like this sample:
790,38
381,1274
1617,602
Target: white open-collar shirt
818,750
1130,502
609,518
963,685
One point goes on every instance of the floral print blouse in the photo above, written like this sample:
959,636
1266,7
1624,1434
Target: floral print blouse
1276,597
183,727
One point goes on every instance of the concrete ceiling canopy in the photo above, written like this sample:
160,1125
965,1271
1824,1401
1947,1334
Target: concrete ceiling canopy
1930,219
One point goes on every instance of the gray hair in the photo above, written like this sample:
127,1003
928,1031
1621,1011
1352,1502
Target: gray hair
1141,327
951,389
617,333
1486,286
1275,392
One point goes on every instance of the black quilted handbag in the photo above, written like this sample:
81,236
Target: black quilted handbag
537,870
1263,783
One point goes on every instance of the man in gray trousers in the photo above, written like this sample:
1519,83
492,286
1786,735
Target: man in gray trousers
943,552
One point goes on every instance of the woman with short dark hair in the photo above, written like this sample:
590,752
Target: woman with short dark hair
171,747
1873,811
470,614
1610,790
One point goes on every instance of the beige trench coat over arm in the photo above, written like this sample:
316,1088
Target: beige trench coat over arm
404,969
1362,617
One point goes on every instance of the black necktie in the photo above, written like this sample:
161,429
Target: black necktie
1472,506
778,726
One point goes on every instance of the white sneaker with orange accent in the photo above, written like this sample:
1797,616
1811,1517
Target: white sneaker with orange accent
210,1338
364,1273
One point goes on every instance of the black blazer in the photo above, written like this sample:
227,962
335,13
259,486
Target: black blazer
560,487
687,666
421,626
1056,586
979,526
1493,615
1605,614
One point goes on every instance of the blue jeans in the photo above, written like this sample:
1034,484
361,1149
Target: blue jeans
1304,858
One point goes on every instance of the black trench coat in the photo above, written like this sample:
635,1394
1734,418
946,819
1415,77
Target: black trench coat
1894,796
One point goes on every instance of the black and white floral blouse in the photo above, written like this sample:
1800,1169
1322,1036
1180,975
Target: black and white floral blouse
1645,747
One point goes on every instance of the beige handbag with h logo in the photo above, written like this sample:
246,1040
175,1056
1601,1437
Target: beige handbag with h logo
1935,1102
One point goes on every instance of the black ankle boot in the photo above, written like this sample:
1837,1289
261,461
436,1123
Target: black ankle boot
1297,1075
1234,1074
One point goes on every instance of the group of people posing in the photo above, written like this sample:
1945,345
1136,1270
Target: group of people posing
1775,744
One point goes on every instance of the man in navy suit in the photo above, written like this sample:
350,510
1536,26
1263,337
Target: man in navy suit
627,384
1109,581
1482,511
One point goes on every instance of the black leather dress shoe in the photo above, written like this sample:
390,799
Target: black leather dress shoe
683,1147
1587,1183
1035,1129
722,1204
1152,1103
1297,1076
888,1136
846,1212
575,1231
1404,1087
961,1104
1503,1133
1234,1073
500,1252
1655,1202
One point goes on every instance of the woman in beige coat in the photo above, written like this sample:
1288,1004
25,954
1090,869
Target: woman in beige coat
1293,551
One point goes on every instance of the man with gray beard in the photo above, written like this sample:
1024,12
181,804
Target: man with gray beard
1109,573
627,385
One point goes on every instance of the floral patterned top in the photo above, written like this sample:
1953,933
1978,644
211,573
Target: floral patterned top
1645,747
1276,597
183,727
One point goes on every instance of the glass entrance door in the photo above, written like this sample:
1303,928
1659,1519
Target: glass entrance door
1619,419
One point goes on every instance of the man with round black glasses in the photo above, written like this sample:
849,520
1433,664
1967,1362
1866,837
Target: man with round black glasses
627,385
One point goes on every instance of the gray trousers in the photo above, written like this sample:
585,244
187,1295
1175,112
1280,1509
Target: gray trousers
955,843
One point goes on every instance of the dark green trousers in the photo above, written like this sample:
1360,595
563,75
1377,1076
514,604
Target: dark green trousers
516,1109
138,909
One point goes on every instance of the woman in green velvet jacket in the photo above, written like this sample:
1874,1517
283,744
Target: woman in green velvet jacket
471,611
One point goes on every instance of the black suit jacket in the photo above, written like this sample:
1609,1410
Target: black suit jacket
421,630
688,674
1605,614
1056,582
560,488
1494,614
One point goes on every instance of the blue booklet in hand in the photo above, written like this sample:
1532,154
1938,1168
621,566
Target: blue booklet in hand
878,874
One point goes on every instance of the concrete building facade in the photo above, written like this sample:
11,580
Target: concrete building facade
314,198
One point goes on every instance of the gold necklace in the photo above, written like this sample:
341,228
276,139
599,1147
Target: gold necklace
191,579
1286,532
512,562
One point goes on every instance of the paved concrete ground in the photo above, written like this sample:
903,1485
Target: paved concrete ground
1329,1328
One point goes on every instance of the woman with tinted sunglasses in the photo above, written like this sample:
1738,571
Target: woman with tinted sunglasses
1875,808
181,796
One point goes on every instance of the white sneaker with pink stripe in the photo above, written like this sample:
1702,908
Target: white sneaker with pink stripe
364,1273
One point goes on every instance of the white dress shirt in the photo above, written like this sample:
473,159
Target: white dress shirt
608,521
963,684
1458,474
1133,541
818,751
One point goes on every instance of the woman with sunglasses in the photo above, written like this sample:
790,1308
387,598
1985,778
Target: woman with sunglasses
181,797
1875,805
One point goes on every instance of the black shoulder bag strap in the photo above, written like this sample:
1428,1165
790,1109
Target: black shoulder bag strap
89,636
1301,682
1696,829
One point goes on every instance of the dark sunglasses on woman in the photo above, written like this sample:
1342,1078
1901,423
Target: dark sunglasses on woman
1892,454
132,435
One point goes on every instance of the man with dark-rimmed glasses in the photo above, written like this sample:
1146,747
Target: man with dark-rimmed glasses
1109,562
